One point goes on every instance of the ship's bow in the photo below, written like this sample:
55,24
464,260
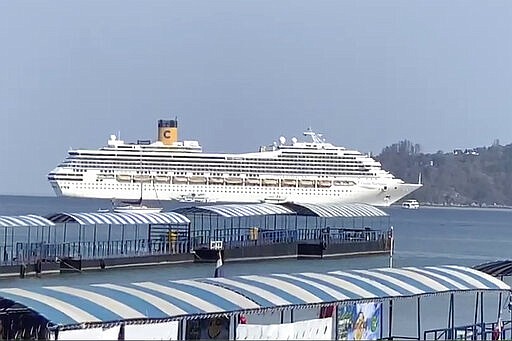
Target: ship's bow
394,193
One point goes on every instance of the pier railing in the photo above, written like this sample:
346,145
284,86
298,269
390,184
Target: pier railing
31,252
22,252
478,331
320,235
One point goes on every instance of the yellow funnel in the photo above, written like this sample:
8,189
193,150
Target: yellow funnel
168,131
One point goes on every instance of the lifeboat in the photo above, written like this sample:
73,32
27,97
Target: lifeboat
306,183
141,178
289,183
324,183
269,182
179,180
161,178
197,180
216,181
343,183
252,182
123,177
234,181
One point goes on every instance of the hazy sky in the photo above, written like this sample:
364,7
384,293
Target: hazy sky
238,74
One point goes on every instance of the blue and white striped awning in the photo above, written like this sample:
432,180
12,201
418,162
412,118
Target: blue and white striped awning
24,220
497,268
238,210
331,210
120,218
113,303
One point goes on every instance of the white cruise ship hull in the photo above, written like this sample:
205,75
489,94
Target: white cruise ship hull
377,195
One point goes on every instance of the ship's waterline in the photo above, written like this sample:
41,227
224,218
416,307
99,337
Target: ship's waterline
314,171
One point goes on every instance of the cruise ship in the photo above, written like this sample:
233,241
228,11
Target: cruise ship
313,171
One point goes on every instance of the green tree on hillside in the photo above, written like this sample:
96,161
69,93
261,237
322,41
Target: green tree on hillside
481,176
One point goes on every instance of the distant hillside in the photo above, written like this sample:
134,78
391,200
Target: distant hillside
479,177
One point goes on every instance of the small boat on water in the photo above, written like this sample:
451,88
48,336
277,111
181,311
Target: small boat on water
137,209
411,204
274,200
135,206
194,198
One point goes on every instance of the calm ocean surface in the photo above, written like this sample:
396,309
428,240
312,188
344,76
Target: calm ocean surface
428,236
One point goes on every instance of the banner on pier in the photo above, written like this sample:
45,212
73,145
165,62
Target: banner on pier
90,334
316,329
152,331
216,328
360,321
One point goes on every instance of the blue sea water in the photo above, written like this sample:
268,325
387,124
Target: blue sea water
428,236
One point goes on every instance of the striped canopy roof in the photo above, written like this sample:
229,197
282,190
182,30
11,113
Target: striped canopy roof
497,268
305,209
120,218
113,303
331,210
24,220
237,210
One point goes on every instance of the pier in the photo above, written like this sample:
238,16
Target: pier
61,242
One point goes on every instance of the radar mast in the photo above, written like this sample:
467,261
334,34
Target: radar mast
317,138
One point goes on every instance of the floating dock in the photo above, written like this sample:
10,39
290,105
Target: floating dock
63,242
